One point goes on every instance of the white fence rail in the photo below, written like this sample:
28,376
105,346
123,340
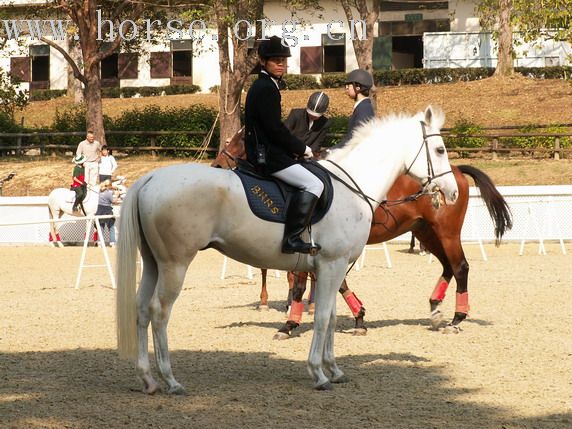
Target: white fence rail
539,213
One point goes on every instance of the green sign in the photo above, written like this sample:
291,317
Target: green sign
413,17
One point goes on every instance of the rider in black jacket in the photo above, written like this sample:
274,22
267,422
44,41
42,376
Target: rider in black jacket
274,150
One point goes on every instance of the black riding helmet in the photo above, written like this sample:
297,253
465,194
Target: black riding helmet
273,47
360,79
318,103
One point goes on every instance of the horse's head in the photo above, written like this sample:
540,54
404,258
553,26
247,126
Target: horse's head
428,161
233,149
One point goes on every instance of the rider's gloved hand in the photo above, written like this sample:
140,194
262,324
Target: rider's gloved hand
308,153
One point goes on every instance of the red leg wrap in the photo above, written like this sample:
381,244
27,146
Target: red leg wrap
462,305
440,290
95,236
58,237
296,310
353,302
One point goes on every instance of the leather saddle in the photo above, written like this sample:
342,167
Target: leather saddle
268,197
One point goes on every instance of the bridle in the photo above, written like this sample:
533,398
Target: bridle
228,158
431,176
430,171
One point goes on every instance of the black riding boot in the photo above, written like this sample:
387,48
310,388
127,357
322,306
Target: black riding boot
298,217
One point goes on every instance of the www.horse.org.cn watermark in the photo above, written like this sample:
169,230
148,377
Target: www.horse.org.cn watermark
174,29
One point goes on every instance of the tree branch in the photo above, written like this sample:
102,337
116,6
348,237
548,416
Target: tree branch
76,71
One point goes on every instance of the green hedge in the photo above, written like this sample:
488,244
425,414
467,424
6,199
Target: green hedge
46,94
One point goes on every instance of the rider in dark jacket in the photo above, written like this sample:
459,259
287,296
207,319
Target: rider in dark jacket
274,150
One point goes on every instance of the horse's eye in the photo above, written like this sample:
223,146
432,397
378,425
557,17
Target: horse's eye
441,150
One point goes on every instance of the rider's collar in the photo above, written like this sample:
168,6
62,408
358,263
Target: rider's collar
271,77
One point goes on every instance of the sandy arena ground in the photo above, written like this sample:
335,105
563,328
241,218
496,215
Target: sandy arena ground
509,368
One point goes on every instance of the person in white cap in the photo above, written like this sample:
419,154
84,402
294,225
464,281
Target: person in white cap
78,182
310,124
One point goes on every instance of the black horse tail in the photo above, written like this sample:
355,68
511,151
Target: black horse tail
496,204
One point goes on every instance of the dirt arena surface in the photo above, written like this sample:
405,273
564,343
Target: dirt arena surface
510,367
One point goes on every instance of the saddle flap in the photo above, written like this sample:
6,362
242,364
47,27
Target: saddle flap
268,197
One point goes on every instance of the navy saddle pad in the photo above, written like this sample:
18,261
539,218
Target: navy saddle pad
268,198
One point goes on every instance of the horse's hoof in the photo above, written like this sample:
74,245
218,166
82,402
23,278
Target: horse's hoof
281,336
151,389
325,386
359,332
264,307
177,390
436,319
341,379
452,329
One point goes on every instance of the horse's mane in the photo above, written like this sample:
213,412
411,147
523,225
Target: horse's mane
371,127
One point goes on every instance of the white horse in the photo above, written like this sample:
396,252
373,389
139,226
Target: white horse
60,202
175,211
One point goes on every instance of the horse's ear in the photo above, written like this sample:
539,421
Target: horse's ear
428,115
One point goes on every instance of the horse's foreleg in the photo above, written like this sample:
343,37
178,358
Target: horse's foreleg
298,282
356,307
263,292
433,244
54,236
329,276
461,273
169,285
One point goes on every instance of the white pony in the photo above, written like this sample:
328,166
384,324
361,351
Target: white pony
174,212
60,202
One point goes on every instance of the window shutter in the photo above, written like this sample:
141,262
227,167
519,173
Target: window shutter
311,59
20,68
128,66
160,64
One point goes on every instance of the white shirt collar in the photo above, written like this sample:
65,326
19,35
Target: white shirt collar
273,80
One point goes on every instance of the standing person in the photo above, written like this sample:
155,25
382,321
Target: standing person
107,164
105,207
358,85
91,149
309,124
274,150
78,182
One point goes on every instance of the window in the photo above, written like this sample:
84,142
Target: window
40,64
109,69
182,58
334,53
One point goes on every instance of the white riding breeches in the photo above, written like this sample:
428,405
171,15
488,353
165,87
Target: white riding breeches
298,176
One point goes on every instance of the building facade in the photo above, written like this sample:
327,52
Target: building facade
409,34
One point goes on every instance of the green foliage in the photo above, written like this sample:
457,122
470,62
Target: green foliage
11,98
300,81
46,94
153,118
148,91
540,141
338,125
462,130
333,80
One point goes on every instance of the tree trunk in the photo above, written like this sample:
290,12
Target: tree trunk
94,106
74,90
364,48
505,62
229,108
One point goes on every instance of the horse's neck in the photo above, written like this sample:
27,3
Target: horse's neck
374,174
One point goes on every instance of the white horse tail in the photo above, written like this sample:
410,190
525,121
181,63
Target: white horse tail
129,239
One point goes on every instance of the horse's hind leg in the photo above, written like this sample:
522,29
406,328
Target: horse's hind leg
169,285
144,296
263,291
297,283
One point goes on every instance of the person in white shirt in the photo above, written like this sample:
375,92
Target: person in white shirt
91,149
107,164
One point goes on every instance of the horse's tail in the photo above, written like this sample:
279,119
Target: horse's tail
496,204
129,239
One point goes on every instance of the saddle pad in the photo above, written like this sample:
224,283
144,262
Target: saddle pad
268,198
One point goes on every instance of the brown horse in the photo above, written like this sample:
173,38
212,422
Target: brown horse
438,230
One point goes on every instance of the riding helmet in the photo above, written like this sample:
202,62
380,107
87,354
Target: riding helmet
318,103
273,47
80,159
360,77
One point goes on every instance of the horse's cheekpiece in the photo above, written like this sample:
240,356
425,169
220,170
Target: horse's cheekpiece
268,198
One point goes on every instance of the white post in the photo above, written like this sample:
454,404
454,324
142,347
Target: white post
83,252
